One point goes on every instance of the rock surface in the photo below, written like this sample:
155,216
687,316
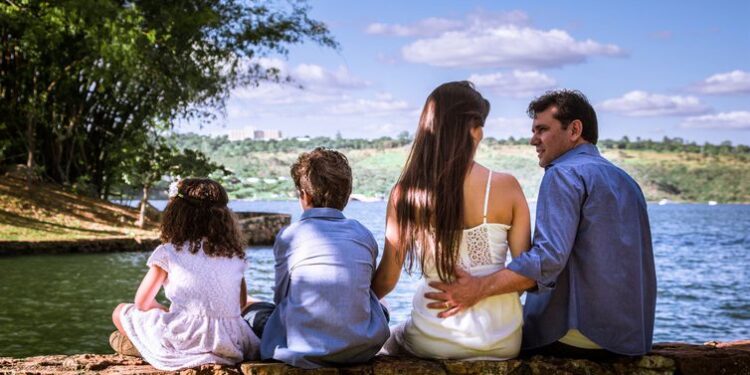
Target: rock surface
259,228
666,358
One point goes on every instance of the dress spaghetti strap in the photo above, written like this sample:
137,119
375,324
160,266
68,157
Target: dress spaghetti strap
487,197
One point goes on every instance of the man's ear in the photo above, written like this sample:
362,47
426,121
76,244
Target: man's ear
576,130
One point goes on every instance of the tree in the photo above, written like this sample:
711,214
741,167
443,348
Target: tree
79,79
157,159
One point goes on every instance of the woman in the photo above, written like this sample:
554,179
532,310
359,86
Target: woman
448,213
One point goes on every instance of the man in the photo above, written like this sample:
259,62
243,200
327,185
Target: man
590,269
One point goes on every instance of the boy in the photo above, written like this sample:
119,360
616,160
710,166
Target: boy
324,312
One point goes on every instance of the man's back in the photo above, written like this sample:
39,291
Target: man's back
597,269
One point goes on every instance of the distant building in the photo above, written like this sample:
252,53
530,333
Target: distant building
240,134
267,135
254,134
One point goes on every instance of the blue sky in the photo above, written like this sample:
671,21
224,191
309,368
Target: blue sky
650,68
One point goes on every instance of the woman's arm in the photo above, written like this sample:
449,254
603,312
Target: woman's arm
468,290
389,269
519,235
145,297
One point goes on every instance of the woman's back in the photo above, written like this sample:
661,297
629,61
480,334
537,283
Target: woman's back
492,328
450,215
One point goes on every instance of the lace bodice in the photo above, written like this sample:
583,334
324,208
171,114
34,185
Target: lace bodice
483,248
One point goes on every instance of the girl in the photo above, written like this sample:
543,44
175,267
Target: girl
452,215
200,263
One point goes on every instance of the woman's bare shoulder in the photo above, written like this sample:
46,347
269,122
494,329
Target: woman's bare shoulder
502,180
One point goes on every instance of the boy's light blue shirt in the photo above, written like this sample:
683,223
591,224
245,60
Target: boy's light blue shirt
592,257
326,313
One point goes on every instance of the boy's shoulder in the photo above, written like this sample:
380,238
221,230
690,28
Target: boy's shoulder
311,226
360,227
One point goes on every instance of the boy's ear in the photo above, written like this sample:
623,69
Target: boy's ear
305,197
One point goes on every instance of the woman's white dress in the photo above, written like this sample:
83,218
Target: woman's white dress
491,329
204,323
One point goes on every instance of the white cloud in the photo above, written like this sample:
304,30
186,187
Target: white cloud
493,19
316,75
425,27
736,120
512,123
643,104
515,84
270,93
504,127
310,84
734,82
381,105
435,26
483,44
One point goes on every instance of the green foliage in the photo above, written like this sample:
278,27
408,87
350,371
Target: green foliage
678,145
262,168
80,80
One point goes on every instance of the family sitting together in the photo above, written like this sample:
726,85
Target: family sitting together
588,272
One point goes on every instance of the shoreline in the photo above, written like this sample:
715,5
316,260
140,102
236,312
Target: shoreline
259,228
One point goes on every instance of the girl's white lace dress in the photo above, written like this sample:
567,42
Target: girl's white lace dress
203,324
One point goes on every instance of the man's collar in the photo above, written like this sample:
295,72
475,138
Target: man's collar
585,148
322,212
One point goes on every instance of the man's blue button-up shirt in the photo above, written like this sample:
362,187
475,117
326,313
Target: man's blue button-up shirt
591,257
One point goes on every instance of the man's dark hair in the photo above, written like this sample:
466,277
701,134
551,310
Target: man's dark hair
325,176
571,105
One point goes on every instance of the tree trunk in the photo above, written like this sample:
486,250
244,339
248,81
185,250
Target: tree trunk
31,143
144,201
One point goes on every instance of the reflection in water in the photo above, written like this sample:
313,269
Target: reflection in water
62,304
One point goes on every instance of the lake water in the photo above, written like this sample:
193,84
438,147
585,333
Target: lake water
62,304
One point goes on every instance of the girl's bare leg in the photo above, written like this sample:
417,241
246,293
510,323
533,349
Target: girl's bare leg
116,318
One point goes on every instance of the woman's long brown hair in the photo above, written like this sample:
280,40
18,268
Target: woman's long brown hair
429,193
200,213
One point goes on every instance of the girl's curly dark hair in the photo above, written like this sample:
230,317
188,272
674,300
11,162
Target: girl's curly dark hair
199,212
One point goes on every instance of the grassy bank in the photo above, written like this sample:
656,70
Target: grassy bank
677,176
47,213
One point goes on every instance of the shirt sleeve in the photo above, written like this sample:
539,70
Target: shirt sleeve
561,196
160,257
281,274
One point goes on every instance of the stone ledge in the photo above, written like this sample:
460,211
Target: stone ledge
259,229
666,358
79,246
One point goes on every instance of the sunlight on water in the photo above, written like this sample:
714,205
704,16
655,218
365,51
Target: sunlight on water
62,304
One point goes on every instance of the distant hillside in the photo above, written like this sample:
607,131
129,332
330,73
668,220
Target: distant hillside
682,173
47,213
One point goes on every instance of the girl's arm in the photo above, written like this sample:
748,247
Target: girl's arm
389,269
145,297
